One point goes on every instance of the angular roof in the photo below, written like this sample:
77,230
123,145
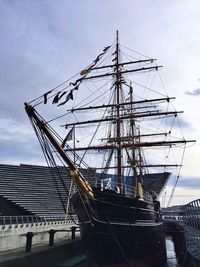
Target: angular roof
35,190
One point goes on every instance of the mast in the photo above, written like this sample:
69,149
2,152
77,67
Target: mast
120,110
118,121
132,122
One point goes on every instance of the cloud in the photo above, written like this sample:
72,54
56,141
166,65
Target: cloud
194,92
187,190
190,183
43,42
18,143
180,122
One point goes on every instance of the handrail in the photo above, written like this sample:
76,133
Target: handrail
129,191
29,219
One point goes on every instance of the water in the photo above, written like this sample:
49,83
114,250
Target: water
172,258
171,255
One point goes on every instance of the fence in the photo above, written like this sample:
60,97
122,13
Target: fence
34,220
191,213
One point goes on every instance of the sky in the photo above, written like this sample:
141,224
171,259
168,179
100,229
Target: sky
45,41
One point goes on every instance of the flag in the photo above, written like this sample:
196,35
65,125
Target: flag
68,97
68,137
58,96
46,95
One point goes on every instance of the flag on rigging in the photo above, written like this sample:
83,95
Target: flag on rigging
68,137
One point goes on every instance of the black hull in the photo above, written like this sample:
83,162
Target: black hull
129,240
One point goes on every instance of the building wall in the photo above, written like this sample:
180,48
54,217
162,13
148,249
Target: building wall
14,236
44,257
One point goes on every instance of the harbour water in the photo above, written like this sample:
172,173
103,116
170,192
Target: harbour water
172,260
175,253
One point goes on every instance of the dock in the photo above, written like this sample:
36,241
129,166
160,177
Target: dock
183,225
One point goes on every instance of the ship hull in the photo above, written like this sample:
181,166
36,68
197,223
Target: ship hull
120,232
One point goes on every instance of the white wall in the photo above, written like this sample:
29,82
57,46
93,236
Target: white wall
14,236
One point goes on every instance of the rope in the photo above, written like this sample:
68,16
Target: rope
134,51
69,112
46,148
95,131
146,88
81,79
177,178
68,201
53,89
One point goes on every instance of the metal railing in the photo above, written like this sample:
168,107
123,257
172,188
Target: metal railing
129,191
191,213
34,220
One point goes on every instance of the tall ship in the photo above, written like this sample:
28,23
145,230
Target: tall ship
112,120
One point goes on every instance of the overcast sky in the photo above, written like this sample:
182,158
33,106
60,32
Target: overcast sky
45,41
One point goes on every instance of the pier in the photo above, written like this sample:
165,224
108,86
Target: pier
182,223
25,231
191,213
33,238
31,228
32,241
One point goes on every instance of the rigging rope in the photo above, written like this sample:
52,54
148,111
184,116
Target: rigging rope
45,145
53,89
177,178
134,51
96,129
45,148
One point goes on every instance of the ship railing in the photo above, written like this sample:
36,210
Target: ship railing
34,220
129,191
191,214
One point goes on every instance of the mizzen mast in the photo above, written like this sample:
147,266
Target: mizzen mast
132,125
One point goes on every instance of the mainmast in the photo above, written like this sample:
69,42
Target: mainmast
118,121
